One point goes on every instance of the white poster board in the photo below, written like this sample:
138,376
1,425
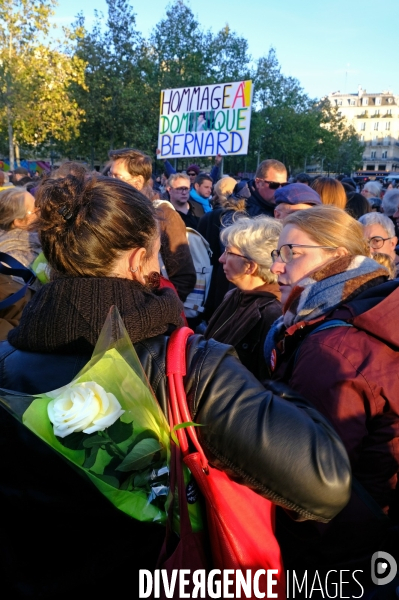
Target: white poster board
205,121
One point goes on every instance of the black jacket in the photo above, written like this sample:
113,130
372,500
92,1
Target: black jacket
282,448
243,320
256,205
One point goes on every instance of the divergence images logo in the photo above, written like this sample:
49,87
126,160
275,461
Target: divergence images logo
383,568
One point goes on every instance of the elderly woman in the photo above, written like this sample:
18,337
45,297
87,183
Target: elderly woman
247,312
337,344
372,189
379,232
101,238
17,213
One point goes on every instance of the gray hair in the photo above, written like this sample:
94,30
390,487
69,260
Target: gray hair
176,176
390,202
374,187
375,218
12,206
255,239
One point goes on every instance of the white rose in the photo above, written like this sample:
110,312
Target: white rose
83,407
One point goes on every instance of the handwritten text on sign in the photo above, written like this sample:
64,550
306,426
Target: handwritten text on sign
205,120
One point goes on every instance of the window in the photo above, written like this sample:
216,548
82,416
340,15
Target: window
362,126
376,126
389,111
362,138
377,111
385,154
353,102
388,125
373,154
365,101
378,101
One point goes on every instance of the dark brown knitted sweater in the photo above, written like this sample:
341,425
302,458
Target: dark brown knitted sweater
67,315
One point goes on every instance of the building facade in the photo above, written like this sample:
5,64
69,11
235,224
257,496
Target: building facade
375,118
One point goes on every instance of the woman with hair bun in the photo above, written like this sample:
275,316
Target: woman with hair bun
101,238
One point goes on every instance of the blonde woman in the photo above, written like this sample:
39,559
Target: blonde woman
337,344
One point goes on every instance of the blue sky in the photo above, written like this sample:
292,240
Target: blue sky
327,45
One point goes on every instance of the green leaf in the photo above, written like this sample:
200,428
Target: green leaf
144,435
119,431
141,479
108,479
174,438
187,424
141,456
74,441
127,484
91,458
94,440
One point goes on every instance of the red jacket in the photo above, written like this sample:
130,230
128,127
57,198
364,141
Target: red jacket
351,376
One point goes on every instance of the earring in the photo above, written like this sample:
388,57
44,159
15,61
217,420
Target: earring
133,270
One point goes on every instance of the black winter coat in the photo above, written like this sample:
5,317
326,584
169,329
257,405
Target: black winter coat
60,536
256,205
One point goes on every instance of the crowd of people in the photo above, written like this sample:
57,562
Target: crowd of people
291,371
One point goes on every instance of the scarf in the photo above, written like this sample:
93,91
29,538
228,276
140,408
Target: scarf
324,290
66,316
205,202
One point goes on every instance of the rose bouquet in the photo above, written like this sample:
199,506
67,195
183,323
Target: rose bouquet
108,424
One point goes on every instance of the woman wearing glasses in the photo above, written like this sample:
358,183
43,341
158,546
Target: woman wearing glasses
379,232
17,213
337,344
247,312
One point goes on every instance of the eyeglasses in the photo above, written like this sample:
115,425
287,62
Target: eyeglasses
274,185
226,251
285,254
192,174
32,212
377,242
181,189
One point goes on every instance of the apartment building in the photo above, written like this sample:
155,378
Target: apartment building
375,117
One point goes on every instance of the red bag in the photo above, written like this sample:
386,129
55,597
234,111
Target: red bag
240,522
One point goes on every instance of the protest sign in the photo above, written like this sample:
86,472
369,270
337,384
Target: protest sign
205,121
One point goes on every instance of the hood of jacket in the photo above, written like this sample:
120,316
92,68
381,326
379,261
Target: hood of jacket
375,311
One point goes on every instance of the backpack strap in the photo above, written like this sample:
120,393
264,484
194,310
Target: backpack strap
12,267
325,325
